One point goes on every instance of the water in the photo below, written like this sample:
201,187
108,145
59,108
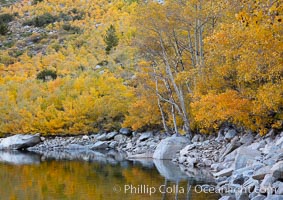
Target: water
92,175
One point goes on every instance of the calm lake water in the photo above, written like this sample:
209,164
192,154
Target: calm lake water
92,175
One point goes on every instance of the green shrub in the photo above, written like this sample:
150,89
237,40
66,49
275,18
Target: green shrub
46,75
6,18
41,21
65,17
71,29
34,2
3,28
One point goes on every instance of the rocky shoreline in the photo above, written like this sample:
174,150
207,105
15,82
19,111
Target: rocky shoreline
245,166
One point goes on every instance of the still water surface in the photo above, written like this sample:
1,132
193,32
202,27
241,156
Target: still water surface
92,175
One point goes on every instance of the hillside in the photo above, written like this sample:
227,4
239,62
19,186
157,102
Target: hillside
78,67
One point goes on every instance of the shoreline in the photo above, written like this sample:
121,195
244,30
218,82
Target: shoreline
250,165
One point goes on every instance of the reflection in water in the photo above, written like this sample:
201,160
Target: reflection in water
19,158
90,175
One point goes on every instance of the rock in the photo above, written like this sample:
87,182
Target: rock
257,145
125,131
196,138
217,166
270,148
113,144
220,136
244,155
279,187
247,139
270,134
111,135
229,148
182,159
185,150
20,141
168,147
238,179
99,145
120,138
227,198
260,173
231,156
250,184
242,196
230,134
74,147
101,137
259,197
191,161
207,162
85,137
267,182
277,170
145,136
224,172
253,194
279,142
274,197
147,154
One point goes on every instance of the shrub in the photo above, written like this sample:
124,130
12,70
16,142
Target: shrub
41,21
71,29
6,18
3,28
46,75
34,2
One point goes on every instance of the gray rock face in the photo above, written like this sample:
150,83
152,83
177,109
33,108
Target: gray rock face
220,136
99,145
75,147
267,182
120,138
247,139
145,136
196,138
260,173
229,148
16,142
224,172
277,170
113,144
168,147
244,156
125,131
279,187
111,135
185,150
230,134
102,137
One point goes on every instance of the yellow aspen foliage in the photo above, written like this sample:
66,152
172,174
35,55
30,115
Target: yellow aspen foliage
213,110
